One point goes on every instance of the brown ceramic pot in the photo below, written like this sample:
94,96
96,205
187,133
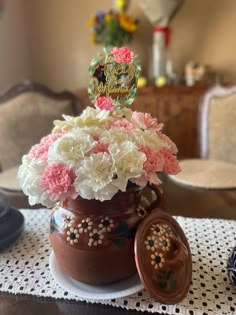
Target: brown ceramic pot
93,241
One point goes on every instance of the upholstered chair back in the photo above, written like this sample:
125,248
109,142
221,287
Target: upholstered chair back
26,118
218,126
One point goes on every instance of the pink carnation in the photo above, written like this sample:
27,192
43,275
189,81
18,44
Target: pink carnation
172,145
95,137
152,165
40,150
142,180
100,147
104,102
145,121
122,54
171,164
122,123
58,181
154,162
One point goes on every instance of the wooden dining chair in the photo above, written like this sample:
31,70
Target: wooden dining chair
206,186
27,112
216,167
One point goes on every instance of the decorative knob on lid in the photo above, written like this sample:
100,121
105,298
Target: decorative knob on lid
163,258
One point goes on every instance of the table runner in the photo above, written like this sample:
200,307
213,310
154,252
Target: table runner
24,268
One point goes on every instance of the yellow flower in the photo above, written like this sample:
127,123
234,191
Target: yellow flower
108,17
91,22
127,23
120,4
92,38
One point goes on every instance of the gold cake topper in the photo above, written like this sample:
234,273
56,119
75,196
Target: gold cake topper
114,76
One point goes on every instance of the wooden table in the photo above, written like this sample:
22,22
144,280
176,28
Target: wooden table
180,201
28,305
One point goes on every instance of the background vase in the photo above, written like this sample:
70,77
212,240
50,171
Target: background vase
93,241
160,54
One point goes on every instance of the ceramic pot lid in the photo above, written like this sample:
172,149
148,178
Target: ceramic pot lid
163,257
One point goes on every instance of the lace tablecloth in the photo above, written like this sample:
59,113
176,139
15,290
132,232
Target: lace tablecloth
24,268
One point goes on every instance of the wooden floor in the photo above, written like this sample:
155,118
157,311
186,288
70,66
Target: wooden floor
192,203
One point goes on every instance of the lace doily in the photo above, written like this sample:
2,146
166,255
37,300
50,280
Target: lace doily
24,268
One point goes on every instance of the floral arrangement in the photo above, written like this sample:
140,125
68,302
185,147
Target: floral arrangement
112,28
99,153
95,155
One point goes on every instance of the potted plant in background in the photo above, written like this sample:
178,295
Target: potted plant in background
113,28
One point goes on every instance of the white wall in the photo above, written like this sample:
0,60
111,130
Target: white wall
48,40
203,30
61,49
14,44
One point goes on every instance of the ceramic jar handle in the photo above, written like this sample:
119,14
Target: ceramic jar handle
157,202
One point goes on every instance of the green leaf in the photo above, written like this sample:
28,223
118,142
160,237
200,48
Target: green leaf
172,282
120,242
133,92
162,283
52,229
131,233
129,101
121,229
91,70
52,221
93,62
53,225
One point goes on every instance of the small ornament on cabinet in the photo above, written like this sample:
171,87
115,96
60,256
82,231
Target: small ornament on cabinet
160,81
142,82
198,73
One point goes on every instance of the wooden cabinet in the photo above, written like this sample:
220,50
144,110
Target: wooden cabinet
177,107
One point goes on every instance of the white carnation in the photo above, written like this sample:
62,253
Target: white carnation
114,136
124,112
29,175
94,177
93,131
71,148
93,117
127,160
68,123
89,117
148,138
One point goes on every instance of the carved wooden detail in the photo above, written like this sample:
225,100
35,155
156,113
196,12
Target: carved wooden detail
32,86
